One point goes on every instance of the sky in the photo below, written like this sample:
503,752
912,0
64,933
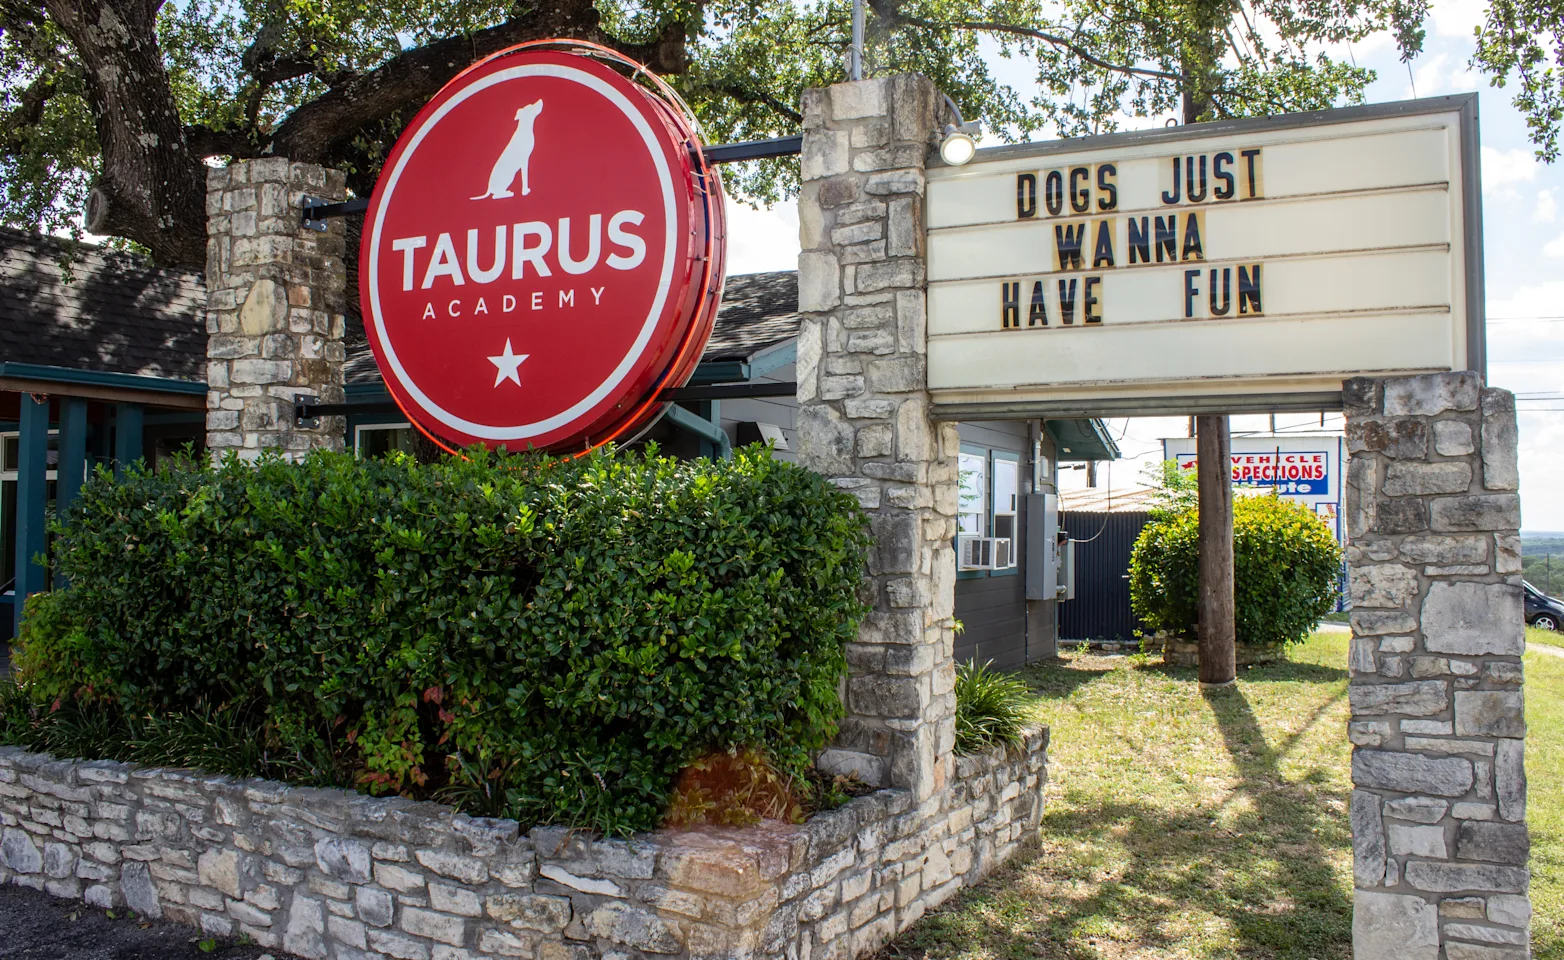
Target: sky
1523,224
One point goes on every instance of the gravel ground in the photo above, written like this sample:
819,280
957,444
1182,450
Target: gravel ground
36,926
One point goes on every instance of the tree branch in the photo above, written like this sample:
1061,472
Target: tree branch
205,142
887,12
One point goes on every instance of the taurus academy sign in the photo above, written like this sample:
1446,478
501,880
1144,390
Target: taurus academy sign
541,255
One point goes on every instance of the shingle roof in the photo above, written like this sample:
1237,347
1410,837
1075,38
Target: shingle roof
759,311
102,310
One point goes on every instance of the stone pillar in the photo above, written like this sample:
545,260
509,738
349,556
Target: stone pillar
275,296
1438,811
863,417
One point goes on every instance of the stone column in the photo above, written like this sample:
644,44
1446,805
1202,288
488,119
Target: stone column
275,296
863,418
1438,813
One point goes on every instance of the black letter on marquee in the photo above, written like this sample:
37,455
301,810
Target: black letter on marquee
1037,314
1080,200
1026,196
1250,155
1107,186
1191,291
1090,301
1068,238
1053,193
1228,185
1140,240
1067,303
1227,292
1167,238
1192,247
1249,290
1103,255
1189,179
1173,197
1010,316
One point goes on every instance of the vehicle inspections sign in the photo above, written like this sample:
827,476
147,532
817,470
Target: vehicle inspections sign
1248,264
541,255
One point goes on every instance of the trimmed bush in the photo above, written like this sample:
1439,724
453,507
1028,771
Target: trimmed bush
1285,569
548,640
992,708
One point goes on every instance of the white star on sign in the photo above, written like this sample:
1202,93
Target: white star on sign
506,364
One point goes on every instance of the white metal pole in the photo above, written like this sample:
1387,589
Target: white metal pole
855,65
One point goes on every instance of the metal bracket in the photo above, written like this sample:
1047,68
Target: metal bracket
317,211
304,407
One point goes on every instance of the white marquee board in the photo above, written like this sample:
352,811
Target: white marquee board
1079,277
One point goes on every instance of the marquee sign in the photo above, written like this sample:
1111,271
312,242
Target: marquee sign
542,254
1249,264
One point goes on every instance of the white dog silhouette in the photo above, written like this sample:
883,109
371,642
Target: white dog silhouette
514,158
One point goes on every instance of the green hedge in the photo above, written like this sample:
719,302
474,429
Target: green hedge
1285,569
551,641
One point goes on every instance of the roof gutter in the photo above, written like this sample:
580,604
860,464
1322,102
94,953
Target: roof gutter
103,385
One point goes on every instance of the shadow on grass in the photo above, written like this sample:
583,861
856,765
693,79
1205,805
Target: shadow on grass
1120,878
1280,671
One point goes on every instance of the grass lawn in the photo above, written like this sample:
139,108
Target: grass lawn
1186,826
1551,638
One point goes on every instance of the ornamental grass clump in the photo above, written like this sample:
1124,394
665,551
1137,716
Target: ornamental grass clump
550,640
1286,567
992,708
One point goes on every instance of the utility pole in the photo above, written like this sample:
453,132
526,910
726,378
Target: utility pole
1214,467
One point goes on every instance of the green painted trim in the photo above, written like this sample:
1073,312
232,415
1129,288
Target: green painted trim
32,493
701,427
722,371
774,358
101,378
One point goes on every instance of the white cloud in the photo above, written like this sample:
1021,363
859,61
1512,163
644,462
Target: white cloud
1546,209
1458,18
1504,169
760,240
1555,247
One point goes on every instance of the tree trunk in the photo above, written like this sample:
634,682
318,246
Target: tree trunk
152,188
1214,465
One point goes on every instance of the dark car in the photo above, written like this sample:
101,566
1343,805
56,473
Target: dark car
1542,610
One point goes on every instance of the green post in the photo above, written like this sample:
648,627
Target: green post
72,471
32,491
127,436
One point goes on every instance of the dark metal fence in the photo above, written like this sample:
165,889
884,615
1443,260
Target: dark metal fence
1101,608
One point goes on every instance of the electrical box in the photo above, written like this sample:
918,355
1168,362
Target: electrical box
1066,584
1042,546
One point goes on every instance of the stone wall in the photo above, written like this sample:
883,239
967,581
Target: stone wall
334,874
1439,807
275,296
863,419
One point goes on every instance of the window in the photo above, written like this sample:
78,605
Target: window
379,439
987,511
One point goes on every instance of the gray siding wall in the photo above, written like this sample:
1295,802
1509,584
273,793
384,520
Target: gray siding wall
782,411
992,609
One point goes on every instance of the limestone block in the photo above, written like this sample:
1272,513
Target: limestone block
1476,513
1400,516
1422,699
1461,877
635,927
344,859
1368,839
1455,950
825,440
1377,622
1391,926
435,926
1403,439
1420,479
819,282
265,309
1492,842
1411,773
305,933
374,906
1507,553
1431,394
1492,713
135,883
859,100
1452,438
1422,841
1416,809
1509,773
19,853
1501,470
1473,619
1510,910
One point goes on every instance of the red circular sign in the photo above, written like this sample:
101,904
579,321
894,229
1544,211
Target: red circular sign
541,255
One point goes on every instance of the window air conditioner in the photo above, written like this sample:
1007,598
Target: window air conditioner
974,552
1004,553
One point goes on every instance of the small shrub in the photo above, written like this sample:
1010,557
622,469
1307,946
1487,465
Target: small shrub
553,641
1285,569
992,708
